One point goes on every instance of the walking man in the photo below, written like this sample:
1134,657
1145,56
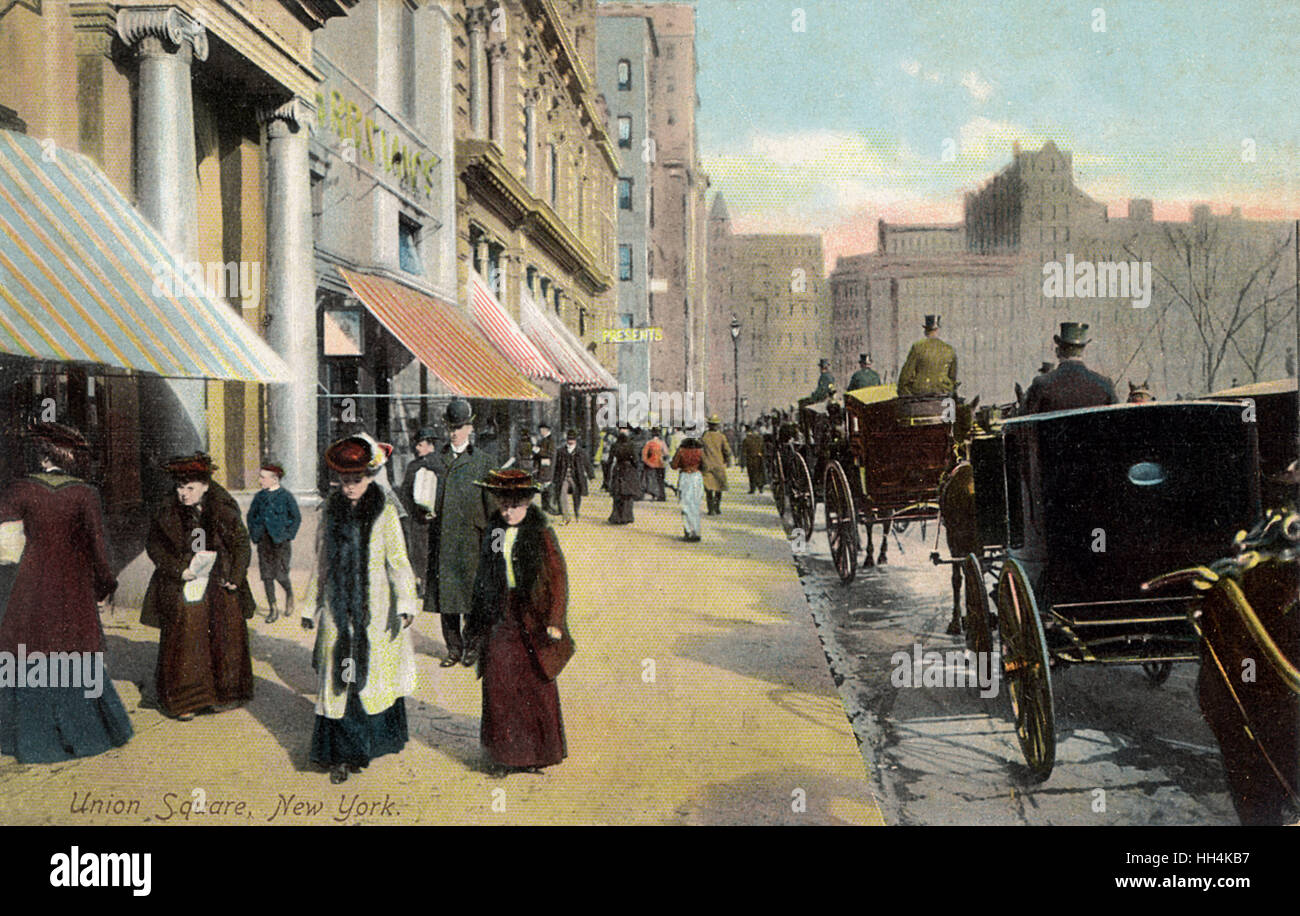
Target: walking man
751,453
273,521
717,455
572,471
544,464
460,518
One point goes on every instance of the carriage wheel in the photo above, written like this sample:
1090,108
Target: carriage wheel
803,502
1025,670
841,522
978,625
1157,672
778,484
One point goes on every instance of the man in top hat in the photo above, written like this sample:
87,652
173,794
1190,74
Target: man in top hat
460,516
415,492
572,471
825,385
717,455
273,521
931,365
1071,384
865,377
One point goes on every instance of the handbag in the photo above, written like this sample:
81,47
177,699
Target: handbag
552,655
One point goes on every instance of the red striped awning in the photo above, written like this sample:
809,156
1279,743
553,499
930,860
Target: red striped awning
562,348
442,339
497,325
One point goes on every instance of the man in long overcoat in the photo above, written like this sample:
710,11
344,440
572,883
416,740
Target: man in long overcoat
1071,384
717,455
417,517
751,453
572,471
460,517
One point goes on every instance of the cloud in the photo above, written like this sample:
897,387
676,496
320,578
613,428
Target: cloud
979,88
910,67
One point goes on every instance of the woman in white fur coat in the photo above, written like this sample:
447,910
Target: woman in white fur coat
362,598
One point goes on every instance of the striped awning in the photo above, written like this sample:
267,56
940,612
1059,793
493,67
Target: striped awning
497,325
442,339
562,347
85,278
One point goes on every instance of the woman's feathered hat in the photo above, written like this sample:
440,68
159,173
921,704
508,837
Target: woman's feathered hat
357,454
510,480
56,434
188,468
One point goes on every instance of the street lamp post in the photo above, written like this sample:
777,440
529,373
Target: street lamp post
744,409
735,352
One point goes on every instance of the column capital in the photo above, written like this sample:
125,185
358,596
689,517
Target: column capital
478,18
532,97
496,51
168,24
295,114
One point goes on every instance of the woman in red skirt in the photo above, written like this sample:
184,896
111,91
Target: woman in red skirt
520,601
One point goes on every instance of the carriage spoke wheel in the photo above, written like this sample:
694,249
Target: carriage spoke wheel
1025,671
803,502
778,484
841,522
1157,672
978,625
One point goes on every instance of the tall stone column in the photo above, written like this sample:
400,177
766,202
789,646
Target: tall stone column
478,21
166,43
497,64
531,99
291,293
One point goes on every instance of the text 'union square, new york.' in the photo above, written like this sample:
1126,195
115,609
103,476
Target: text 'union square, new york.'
472,412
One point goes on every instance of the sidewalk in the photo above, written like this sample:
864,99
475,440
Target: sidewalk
699,695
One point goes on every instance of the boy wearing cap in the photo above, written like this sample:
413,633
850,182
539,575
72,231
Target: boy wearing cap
273,522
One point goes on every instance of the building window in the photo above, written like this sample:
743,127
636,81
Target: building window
625,131
532,279
408,245
625,193
625,262
555,176
624,74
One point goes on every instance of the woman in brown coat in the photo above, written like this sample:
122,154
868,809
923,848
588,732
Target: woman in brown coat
521,596
203,660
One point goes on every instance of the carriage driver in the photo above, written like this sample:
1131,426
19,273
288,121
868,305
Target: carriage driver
1071,384
825,385
931,366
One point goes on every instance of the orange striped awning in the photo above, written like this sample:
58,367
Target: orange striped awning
84,278
442,339
497,325
563,348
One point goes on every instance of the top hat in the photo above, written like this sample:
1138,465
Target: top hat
932,322
187,468
458,414
359,454
1046,367
56,434
511,480
864,359
274,467
426,434
1072,334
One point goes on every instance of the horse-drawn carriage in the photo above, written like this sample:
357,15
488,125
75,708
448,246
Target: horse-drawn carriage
876,460
1093,503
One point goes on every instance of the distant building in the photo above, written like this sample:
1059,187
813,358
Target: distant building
775,286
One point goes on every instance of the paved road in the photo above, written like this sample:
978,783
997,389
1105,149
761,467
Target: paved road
943,755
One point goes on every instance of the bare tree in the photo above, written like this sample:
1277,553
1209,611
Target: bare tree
1231,284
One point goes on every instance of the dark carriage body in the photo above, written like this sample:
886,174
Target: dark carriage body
1101,499
900,448
1275,409
986,458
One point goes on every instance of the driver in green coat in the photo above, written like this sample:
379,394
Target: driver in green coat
931,366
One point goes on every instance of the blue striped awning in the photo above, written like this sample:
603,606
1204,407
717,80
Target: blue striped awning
85,278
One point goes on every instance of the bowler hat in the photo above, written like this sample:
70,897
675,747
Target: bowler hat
56,434
458,414
186,468
511,480
1072,334
932,322
359,454
571,434
426,434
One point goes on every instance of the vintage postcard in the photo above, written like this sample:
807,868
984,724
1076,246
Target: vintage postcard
732,412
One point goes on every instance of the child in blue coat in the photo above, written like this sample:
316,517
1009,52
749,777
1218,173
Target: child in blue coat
273,522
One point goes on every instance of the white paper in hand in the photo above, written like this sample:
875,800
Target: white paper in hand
425,490
201,566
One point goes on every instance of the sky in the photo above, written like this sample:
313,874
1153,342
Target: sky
827,115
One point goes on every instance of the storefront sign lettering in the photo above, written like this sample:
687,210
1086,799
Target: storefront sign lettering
382,147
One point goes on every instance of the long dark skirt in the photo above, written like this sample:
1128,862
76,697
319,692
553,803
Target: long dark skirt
521,724
358,737
203,656
50,724
622,514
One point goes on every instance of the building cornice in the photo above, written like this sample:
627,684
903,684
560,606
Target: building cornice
482,169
